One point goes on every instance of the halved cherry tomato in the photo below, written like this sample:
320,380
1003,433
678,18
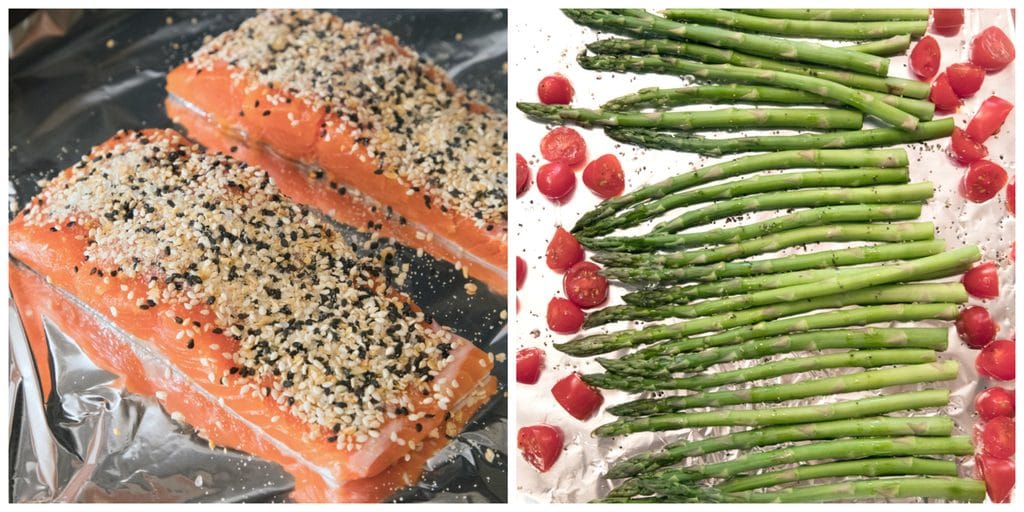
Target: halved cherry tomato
1011,197
996,360
565,145
966,150
995,402
982,281
520,272
989,119
522,175
925,58
999,477
563,251
528,363
998,437
555,90
947,21
992,50
541,445
942,95
577,397
564,317
976,327
604,176
584,286
556,180
982,181
965,78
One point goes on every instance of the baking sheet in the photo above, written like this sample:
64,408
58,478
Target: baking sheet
549,44
76,79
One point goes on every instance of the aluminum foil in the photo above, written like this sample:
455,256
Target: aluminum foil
90,440
550,43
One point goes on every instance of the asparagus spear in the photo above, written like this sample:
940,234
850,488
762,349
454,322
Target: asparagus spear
898,232
813,260
893,295
798,28
746,165
895,87
851,359
859,100
949,489
881,426
862,381
689,143
894,45
869,338
842,14
723,119
655,97
778,415
892,466
804,218
635,22
755,184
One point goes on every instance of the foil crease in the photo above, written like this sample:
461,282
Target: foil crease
90,440
553,42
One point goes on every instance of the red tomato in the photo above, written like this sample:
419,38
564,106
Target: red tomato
520,272
982,281
947,21
999,477
564,317
965,78
998,437
563,251
555,180
584,286
555,90
992,50
996,360
522,175
965,150
975,327
563,144
577,397
996,402
1011,197
989,119
925,58
942,95
528,363
540,445
982,181
604,176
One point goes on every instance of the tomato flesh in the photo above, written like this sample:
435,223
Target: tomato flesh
604,176
563,316
943,96
947,21
565,145
982,181
563,251
995,402
965,78
989,119
992,50
520,272
998,437
925,58
528,364
522,175
999,477
996,360
556,180
541,445
976,327
965,150
578,398
555,90
1011,197
584,286
982,281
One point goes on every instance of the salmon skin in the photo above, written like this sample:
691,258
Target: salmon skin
355,110
284,342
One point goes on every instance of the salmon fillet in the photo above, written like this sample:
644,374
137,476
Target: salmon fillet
356,111
306,350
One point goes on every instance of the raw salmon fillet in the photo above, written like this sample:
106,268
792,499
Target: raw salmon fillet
277,337
356,112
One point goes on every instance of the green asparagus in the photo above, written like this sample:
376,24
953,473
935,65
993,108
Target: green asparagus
866,467
895,45
841,14
966,490
820,29
658,98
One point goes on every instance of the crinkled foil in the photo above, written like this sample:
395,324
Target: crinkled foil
76,81
550,43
